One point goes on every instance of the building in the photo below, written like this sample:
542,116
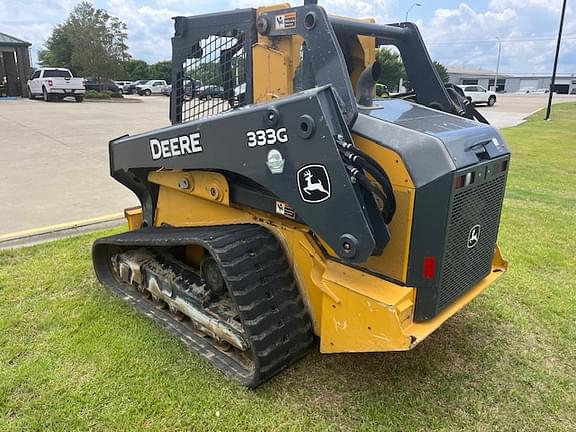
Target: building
14,65
512,83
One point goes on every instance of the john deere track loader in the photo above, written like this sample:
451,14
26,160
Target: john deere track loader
287,202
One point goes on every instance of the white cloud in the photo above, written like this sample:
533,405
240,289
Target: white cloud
526,28
379,9
499,5
25,22
150,26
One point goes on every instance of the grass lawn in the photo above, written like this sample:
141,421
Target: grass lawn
74,357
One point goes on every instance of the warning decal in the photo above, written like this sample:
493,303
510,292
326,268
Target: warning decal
285,21
285,210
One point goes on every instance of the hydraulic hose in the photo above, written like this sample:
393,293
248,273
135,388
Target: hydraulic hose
367,184
378,174
370,160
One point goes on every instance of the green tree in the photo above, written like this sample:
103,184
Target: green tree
206,73
135,70
58,49
442,71
161,71
90,43
392,68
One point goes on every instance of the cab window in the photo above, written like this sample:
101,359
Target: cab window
55,73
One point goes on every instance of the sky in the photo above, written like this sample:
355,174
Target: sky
457,33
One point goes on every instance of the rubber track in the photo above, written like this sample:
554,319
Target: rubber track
260,283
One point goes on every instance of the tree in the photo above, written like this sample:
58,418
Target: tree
58,51
135,70
90,42
392,68
206,73
442,71
161,71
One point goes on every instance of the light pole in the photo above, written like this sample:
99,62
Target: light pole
497,64
555,62
409,9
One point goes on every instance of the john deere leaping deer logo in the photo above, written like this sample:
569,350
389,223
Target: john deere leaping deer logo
473,236
314,183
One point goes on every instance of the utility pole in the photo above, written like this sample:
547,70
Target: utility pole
552,84
497,64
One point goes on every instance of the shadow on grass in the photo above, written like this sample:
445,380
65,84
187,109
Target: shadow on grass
476,369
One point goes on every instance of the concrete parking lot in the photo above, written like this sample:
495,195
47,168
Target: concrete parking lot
54,156
511,110
54,159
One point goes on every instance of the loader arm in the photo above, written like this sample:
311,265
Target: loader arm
300,131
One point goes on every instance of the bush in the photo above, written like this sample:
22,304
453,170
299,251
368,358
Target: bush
93,94
107,94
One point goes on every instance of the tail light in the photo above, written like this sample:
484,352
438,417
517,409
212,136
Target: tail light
465,180
50,83
429,267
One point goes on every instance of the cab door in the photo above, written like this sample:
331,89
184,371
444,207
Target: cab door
482,94
157,87
35,81
473,93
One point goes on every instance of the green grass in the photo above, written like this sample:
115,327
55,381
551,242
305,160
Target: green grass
74,357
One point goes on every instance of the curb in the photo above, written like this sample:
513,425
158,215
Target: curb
112,100
534,112
51,232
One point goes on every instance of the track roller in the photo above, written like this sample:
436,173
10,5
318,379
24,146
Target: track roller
240,310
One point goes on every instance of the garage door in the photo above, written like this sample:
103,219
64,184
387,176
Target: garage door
528,84
562,88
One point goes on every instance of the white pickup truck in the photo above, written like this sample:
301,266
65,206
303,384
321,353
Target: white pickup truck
151,87
55,83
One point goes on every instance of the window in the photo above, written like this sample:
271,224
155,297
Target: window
469,82
471,89
36,74
55,73
501,84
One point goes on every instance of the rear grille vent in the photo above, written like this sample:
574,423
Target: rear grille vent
463,266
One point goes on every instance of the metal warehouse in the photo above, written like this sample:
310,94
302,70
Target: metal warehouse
512,83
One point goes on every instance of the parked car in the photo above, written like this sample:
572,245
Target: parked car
122,85
541,91
131,88
209,92
105,85
55,83
239,96
151,87
478,94
190,88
